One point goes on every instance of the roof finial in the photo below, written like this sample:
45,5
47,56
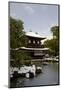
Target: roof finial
30,30
36,32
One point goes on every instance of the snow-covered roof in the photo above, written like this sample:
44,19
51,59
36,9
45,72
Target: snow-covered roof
25,48
38,49
32,34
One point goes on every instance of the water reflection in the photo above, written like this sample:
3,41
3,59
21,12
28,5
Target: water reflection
49,76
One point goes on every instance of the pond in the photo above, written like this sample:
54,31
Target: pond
49,76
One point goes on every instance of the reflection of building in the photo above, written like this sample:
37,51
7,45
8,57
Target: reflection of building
34,45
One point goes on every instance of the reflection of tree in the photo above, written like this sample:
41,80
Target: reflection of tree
53,44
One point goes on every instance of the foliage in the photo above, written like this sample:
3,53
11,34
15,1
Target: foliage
20,57
17,36
17,39
53,44
55,31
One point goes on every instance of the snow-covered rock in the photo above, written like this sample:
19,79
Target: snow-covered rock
26,69
38,70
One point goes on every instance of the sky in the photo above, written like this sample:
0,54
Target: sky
36,17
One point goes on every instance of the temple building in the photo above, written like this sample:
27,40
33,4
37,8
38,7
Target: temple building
35,46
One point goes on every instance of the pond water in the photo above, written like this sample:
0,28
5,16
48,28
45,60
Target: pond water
49,76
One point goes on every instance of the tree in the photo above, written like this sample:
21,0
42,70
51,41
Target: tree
53,44
55,31
17,39
17,35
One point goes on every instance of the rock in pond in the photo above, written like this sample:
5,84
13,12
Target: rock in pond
38,70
